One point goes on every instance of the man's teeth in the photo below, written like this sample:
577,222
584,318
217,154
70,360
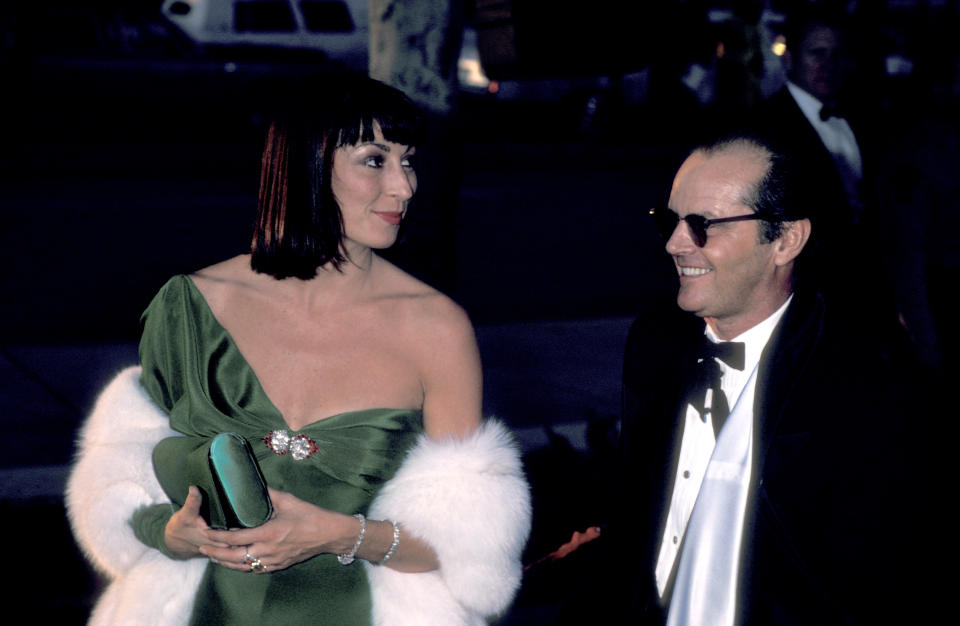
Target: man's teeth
694,271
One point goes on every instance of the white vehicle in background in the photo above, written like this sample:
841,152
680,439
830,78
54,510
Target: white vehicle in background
337,29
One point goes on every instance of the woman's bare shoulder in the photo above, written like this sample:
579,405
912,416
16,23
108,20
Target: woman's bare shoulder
440,339
424,308
232,269
221,279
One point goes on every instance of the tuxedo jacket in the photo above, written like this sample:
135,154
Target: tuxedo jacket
780,119
836,484
840,234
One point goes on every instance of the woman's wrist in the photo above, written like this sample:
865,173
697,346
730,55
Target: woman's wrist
394,544
345,529
378,541
346,558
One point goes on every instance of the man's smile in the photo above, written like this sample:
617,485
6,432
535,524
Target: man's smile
693,271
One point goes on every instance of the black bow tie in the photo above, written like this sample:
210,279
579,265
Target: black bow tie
730,352
707,374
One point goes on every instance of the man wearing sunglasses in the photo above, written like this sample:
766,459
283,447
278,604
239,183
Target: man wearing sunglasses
768,446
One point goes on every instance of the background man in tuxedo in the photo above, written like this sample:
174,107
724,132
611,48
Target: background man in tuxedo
810,117
800,507
806,118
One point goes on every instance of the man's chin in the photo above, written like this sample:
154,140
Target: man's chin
825,93
688,305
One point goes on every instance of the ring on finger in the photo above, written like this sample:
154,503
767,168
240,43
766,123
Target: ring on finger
254,563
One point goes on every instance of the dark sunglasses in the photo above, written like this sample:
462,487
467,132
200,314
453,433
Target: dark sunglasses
666,222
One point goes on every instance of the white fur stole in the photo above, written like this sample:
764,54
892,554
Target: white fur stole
467,499
470,502
113,477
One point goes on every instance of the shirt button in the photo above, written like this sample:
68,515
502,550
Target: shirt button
674,540
686,473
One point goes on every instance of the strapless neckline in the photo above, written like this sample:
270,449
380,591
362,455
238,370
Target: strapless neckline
331,420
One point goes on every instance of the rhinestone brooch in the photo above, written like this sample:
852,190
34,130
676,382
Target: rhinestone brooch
300,447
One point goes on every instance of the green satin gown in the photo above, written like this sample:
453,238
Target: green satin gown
194,370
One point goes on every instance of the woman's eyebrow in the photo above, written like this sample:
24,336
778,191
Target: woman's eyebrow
375,144
386,148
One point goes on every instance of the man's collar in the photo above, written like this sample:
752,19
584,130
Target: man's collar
808,103
755,338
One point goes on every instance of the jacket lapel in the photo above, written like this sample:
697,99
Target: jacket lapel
782,364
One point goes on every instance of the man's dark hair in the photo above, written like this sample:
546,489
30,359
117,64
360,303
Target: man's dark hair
804,19
299,227
778,196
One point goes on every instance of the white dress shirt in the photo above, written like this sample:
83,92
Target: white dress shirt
710,488
839,140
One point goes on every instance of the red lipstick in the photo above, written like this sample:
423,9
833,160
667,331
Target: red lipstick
390,217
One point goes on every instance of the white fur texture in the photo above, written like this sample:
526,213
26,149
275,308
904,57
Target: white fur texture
112,478
468,500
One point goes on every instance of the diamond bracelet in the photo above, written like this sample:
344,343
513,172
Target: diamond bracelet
348,558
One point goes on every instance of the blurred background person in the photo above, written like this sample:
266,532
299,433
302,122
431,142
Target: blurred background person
814,117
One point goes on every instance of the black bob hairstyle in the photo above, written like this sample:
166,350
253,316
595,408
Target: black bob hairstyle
299,227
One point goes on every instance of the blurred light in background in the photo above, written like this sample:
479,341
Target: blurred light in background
779,45
469,71
471,74
898,65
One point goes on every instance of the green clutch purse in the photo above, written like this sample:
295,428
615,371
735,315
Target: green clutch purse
226,472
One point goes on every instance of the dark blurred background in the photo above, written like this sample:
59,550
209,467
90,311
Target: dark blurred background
131,153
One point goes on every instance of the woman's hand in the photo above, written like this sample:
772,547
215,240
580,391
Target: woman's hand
297,531
184,533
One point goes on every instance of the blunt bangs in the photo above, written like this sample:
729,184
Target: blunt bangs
374,104
299,227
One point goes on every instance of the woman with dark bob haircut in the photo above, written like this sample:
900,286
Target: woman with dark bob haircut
357,387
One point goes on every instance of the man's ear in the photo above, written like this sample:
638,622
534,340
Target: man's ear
793,238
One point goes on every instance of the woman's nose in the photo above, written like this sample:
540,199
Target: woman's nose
400,181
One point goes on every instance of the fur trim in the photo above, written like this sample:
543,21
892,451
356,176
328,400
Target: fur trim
470,502
467,499
113,477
